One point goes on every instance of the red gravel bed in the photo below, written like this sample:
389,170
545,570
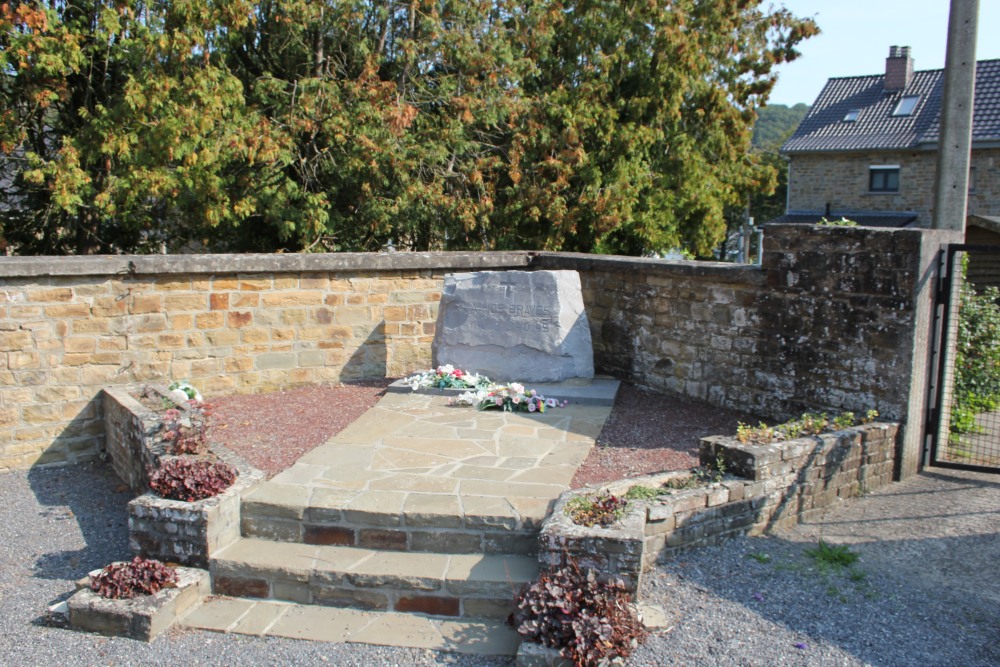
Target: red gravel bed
648,433
271,431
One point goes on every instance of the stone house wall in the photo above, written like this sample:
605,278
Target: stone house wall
841,179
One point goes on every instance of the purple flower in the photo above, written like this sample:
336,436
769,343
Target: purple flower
759,597
801,646
531,407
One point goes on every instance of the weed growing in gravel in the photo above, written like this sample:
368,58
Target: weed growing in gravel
833,555
759,556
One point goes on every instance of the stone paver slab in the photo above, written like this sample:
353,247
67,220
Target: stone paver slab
450,448
218,614
396,629
260,618
390,459
254,555
299,474
380,508
441,511
423,571
510,489
489,512
344,455
481,638
495,474
320,623
417,483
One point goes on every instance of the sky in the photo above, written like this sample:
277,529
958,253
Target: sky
856,36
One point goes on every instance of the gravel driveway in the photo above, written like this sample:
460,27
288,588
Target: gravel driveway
924,591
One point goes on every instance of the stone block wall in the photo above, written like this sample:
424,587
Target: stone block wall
835,319
230,324
190,532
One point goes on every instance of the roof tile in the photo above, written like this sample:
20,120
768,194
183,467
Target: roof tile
824,128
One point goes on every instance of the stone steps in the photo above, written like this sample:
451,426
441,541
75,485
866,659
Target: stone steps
270,618
396,521
435,584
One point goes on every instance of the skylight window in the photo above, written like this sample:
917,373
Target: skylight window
906,105
852,115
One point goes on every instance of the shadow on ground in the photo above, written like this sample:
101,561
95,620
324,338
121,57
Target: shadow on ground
93,498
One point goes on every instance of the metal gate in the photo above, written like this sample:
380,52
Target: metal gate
964,419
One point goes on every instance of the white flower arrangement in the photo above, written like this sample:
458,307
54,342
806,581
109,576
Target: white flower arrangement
183,391
509,398
446,377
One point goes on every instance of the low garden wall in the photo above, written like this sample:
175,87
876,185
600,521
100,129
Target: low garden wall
169,530
834,319
766,487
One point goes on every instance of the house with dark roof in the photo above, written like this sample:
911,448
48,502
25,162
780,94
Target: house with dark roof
867,150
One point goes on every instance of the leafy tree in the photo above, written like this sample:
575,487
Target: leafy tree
639,129
591,125
120,128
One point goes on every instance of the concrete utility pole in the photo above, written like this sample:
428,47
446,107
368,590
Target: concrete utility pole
955,136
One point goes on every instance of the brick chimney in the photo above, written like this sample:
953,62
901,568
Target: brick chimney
898,68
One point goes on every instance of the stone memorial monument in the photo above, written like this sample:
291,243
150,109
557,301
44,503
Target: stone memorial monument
525,326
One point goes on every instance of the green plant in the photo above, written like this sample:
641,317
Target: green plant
680,483
810,423
759,556
761,434
601,509
835,555
844,420
642,492
977,355
189,479
140,576
843,222
590,621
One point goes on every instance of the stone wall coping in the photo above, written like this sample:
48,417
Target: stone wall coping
722,271
144,265
135,265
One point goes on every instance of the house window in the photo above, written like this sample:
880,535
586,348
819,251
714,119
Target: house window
906,105
852,115
883,178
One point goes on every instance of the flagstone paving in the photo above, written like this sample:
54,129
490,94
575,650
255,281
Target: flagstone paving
414,526
415,461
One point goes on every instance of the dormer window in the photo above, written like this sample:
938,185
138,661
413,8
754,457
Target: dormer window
852,115
906,105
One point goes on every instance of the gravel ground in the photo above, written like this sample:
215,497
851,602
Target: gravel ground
56,524
924,591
